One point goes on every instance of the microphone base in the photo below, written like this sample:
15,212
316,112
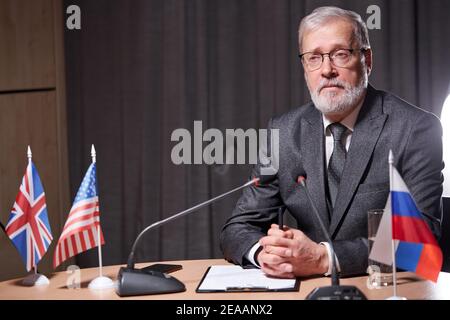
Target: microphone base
336,293
136,282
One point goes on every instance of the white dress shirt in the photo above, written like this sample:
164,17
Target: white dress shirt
349,122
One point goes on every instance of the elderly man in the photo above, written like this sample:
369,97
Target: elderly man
340,143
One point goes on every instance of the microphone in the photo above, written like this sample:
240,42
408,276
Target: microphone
335,291
132,281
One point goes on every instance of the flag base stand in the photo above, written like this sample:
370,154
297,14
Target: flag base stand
396,298
35,279
100,283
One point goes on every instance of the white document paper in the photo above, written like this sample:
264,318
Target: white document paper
234,278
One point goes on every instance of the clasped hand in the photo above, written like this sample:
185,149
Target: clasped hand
289,253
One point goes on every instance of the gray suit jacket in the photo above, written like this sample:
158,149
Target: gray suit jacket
384,122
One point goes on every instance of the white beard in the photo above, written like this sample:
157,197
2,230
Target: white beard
331,103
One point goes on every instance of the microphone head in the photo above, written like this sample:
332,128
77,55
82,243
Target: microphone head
264,179
301,180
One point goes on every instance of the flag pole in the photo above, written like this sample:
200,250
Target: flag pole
99,247
30,156
100,282
394,265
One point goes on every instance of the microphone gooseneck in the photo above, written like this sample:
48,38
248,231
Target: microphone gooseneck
335,291
334,273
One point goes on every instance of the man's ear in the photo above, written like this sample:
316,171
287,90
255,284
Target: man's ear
369,60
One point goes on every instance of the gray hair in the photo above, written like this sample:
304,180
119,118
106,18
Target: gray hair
322,15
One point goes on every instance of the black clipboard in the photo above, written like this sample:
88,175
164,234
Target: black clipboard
295,288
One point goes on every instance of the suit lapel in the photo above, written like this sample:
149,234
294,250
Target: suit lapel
364,138
312,153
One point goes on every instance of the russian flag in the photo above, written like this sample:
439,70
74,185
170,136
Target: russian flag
417,249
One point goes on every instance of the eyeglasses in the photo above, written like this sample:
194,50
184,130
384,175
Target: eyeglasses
338,57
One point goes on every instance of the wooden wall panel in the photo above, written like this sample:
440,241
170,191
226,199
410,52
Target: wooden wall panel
27,55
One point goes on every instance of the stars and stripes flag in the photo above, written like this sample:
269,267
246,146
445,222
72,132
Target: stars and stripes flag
416,248
28,226
80,232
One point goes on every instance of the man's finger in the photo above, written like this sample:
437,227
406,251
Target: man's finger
285,233
274,272
275,241
276,232
286,267
271,259
279,251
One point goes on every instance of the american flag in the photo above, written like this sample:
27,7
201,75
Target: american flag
80,231
28,225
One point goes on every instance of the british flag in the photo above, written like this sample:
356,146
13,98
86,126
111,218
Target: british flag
28,225
80,232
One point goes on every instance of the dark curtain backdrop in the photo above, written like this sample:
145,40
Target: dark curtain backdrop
137,70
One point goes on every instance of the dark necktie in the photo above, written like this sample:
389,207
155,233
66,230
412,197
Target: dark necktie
337,160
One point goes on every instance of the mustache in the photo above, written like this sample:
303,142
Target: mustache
331,83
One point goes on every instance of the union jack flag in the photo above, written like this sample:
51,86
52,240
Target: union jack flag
80,232
28,225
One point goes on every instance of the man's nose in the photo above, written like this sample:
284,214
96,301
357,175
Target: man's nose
328,70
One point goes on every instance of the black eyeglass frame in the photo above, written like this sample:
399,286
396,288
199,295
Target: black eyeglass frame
351,50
